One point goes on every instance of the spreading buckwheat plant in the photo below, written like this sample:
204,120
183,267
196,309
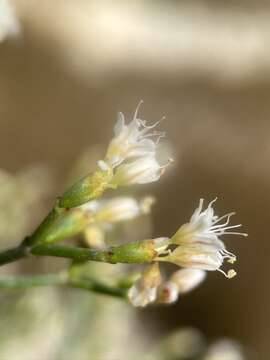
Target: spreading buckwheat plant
83,212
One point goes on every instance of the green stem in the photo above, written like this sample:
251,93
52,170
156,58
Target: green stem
69,252
137,252
12,255
29,281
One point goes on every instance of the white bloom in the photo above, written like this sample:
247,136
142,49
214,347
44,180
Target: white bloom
117,209
144,290
133,140
200,256
180,282
205,227
204,230
187,279
141,171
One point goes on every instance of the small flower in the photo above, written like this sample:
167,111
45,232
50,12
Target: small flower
187,279
204,227
180,282
117,209
133,140
199,241
200,256
141,171
144,290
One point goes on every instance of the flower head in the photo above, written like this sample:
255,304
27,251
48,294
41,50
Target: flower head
140,171
205,227
144,290
199,243
187,279
118,209
200,256
132,140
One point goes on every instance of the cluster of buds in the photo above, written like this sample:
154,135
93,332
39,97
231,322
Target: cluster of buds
152,288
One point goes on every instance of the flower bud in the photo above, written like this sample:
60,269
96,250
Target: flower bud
140,171
144,290
90,187
95,237
186,280
116,210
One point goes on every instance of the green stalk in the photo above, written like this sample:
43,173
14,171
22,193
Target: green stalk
11,255
137,252
60,279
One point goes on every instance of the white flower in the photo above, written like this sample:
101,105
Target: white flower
204,230
141,171
133,140
205,227
186,280
200,256
180,282
144,290
117,209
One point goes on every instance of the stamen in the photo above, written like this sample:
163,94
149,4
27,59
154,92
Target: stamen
234,233
211,202
137,109
217,227
229,215
231,273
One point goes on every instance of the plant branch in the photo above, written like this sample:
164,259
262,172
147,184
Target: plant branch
60,279
137,252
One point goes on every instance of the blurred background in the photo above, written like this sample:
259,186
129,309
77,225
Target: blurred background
66,68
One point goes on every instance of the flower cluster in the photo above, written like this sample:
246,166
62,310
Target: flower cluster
131,158
198,243
152,288
197,248
132,152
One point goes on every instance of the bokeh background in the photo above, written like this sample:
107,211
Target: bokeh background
67,69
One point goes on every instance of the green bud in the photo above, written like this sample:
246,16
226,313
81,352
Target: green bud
89,187
59,225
